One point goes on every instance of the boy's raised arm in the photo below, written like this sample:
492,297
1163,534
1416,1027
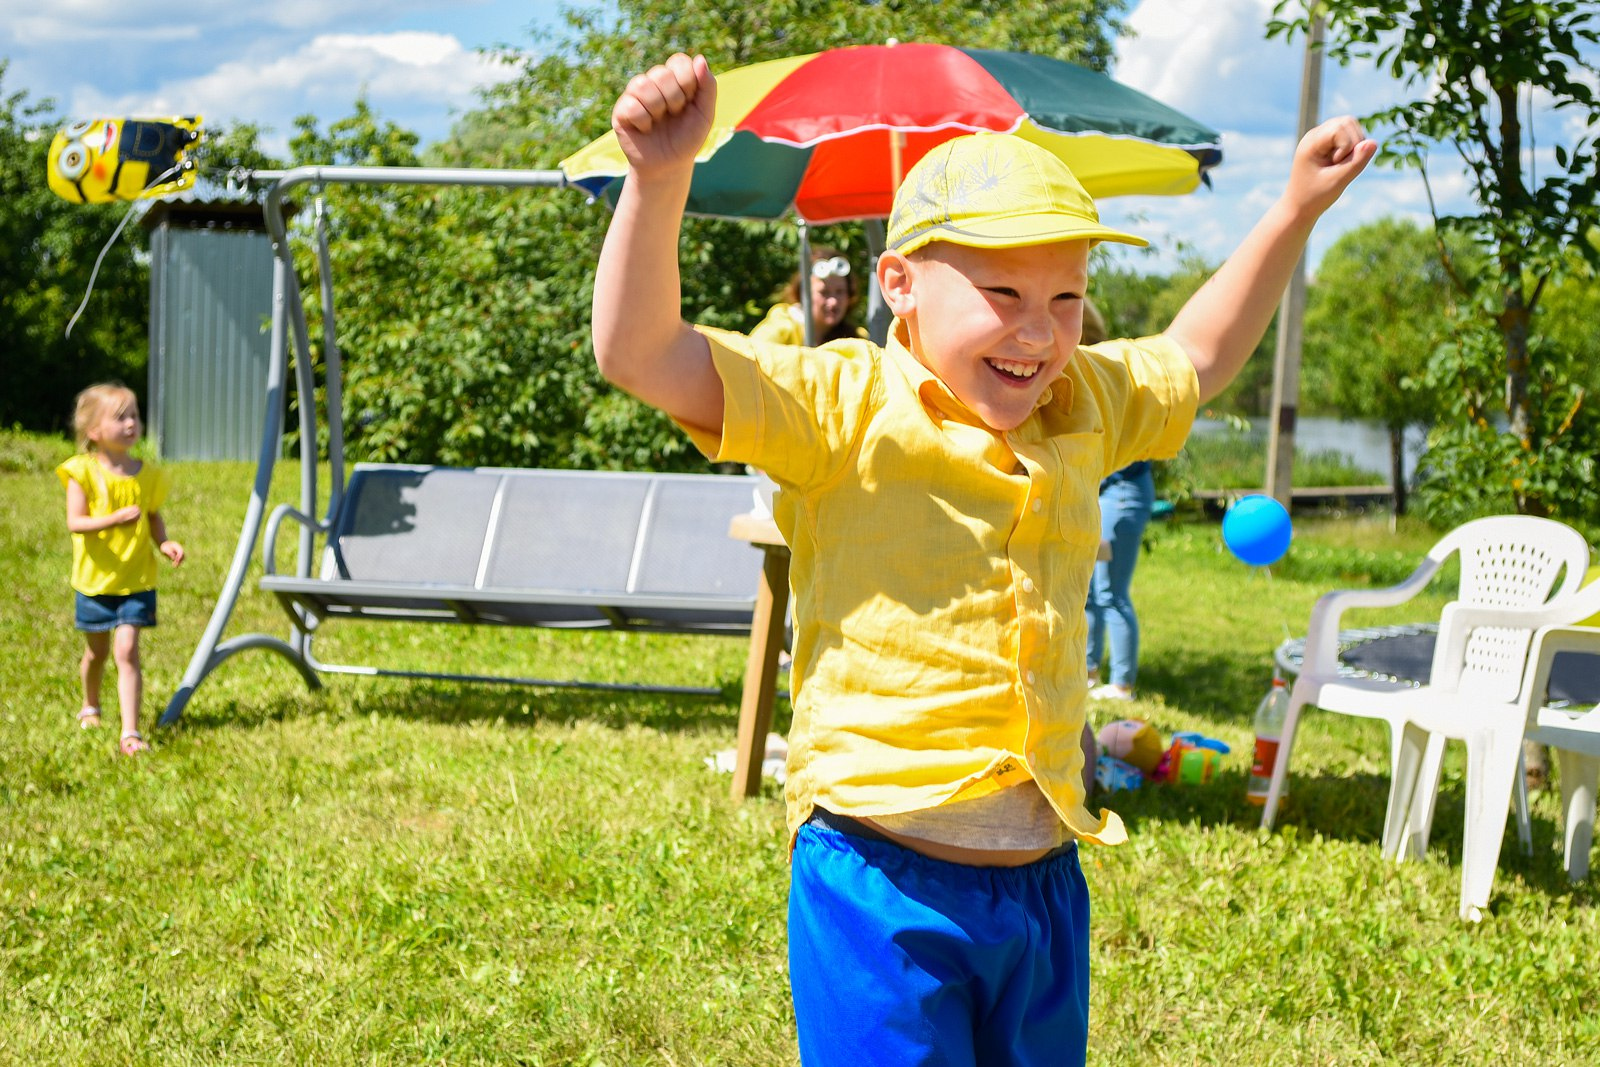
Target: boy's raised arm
1224,321
641,342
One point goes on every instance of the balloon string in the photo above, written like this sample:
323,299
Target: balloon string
96,272
107,247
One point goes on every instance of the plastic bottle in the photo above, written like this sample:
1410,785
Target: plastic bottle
1270,714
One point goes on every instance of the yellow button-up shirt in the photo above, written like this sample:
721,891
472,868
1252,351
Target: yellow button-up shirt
940,568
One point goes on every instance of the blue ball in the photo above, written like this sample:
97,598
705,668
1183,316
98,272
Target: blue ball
1257,530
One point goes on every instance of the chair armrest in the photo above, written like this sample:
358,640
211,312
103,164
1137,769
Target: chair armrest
269,549
1322,635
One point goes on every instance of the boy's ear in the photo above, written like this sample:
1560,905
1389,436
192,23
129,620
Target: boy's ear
894,279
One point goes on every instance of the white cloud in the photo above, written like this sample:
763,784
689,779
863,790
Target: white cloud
1211,61
70,20
1214,63
405,76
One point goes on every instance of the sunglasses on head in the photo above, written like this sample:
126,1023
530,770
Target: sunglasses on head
837,267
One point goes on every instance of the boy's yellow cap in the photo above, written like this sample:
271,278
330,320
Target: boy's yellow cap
990,190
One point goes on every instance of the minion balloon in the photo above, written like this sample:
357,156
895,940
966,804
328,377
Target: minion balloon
103,160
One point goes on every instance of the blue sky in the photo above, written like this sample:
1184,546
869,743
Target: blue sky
417,62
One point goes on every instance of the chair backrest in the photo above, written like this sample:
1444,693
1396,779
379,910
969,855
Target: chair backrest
1507,561
595,532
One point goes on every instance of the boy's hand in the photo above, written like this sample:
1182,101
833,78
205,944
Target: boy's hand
1327,159
173,551
130,513
662,117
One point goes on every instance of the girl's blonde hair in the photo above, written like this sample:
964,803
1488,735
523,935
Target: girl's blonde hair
92,404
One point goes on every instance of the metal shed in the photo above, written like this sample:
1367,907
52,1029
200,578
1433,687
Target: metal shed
210,305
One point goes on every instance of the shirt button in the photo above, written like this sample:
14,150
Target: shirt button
1030,678
1037,505
1027,585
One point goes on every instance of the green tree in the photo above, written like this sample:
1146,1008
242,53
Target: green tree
1138,305
1379,308
1569,315
50,252
1475,67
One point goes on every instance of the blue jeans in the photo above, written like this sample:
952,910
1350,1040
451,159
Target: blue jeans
1124,512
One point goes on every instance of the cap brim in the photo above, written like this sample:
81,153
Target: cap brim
1018,230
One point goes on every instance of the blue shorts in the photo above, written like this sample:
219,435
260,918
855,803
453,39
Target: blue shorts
99,614
895,958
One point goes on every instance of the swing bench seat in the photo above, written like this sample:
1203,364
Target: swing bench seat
587,550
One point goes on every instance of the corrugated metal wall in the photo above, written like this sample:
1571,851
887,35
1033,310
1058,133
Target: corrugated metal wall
210,303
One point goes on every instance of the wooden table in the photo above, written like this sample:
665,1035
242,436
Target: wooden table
766,641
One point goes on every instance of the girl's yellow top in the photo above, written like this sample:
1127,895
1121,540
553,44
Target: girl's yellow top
120,559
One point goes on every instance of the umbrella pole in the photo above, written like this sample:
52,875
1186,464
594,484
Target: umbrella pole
805,284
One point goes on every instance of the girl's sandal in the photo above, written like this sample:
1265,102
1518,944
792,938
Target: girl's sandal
133,743
89,718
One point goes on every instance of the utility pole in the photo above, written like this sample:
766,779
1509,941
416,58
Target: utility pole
1291,313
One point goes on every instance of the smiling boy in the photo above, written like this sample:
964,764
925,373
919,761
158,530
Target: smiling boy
939,498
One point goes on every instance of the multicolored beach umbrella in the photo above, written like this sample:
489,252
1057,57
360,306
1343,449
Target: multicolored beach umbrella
829,135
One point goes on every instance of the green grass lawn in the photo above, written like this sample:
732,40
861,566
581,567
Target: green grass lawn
401,872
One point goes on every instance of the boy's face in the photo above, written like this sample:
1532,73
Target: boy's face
996,325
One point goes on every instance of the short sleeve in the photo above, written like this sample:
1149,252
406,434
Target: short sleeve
793,412
1150,394
156,489
72,471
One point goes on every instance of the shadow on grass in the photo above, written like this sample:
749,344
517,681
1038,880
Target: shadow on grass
1351,808
1222,686
461,703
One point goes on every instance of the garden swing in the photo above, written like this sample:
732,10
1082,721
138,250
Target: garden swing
609,550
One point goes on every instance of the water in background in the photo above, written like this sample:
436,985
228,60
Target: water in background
1365,444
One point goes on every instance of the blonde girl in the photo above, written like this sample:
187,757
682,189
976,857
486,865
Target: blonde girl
114,516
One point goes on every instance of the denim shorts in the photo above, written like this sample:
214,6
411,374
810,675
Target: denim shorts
99,614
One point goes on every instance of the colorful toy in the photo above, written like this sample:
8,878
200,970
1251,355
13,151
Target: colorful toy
1257,530
1191,759
1112,774
1131,751
99,161
1132,740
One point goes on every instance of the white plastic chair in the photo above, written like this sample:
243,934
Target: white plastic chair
1493,726
1507,562
1575,735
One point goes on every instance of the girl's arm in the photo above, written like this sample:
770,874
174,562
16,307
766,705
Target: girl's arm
80,521
158,530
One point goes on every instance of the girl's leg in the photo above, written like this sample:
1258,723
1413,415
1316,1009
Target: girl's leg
130,679
92,668
1095,609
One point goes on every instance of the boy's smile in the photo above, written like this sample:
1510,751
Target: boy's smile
996,325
